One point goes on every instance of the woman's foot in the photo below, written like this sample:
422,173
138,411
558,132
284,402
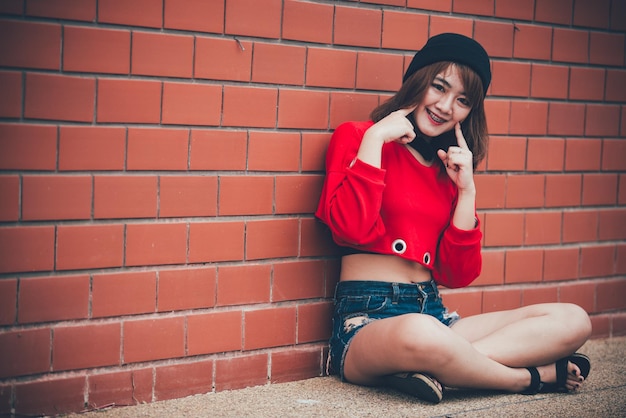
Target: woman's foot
420,385
566,375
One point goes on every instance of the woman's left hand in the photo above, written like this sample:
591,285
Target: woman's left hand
459,162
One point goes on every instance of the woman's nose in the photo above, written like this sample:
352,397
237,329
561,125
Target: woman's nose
445,103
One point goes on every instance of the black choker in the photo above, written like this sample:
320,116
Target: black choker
425,148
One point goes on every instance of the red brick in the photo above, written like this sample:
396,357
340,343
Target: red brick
291,103
157,149
28,147
63,9
125,197
602,120
525,191
498,116
583,154
194,15
618,11
273,151
246,195
496,38
50,396
214,332
563,190
464,302
532,296
314,322
566,119
252,18
186,289
183,196
154,339
135,101
504,229
523,266
553,11
377,71
147,13
241,372
30,45
599,189
292,365
587,84
127,293
314,147
297,194
59,97
615,85
56,197
580,226
191,104
474,7
581,294
239,285
12,7
73,346
436,5
91,148
180,380
11,99
492,269
515,9
307,22
406,31
153,244
223,59
278,64
96,50
120,388
501,299
216,241
597,262
28,248
44,299
622,190
600,326
272,238
529,118
9,198
620,266
609,295
350,106
549,81
250,106
532,42
8,301
298,280
570,45
218,150
612,225
272,327
543,228
560,263
623,129
618,325
510,79
440,24
546,154
592,13
607,48
319,60
159,54
357,27
613,151
89,246
25,352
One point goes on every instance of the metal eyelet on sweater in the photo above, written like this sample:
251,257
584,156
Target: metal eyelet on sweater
426,258
398,246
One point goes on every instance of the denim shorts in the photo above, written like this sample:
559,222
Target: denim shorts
358,303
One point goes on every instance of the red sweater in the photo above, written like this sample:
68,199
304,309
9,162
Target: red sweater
403,204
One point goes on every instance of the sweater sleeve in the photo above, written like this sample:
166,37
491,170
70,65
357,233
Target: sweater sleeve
459,258
352,194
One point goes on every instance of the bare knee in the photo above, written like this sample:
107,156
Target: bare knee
577,322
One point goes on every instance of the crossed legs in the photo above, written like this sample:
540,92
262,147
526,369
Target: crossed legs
487,351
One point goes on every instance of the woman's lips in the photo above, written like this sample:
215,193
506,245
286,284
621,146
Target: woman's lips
436,119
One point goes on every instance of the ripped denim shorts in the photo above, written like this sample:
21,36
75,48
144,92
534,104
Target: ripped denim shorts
357,303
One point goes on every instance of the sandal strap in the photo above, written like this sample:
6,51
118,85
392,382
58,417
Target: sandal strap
535,382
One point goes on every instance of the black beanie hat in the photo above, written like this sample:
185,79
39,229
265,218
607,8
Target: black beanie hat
456,48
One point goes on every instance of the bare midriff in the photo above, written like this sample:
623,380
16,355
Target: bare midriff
382,268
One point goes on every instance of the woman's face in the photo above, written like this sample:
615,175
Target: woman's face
444,104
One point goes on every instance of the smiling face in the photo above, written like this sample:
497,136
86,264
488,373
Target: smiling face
444,104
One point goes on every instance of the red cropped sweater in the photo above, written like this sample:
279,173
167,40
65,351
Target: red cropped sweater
403,208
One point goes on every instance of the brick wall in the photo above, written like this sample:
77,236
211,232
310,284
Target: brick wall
161,160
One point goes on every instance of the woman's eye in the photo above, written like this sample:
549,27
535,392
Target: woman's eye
438,87
465,102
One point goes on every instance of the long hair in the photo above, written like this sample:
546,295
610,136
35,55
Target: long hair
412,92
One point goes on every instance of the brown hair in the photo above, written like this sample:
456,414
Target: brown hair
414,89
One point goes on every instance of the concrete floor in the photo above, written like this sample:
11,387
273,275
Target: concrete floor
604,395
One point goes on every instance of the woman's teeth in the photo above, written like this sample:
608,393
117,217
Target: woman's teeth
435,117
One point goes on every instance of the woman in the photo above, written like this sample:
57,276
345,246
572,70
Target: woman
399,198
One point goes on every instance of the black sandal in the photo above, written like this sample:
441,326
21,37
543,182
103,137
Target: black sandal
537,386
419,385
